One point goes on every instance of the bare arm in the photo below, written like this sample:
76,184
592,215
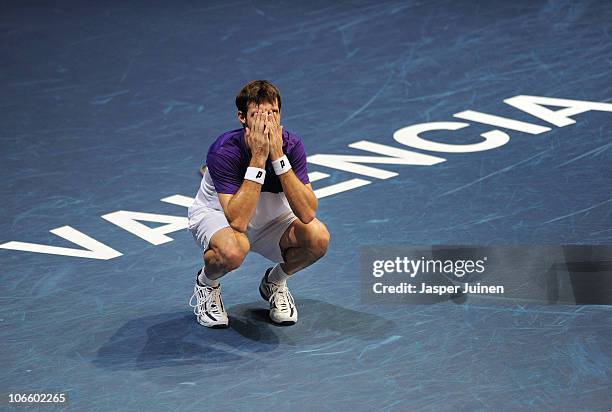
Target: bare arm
300,196
240,207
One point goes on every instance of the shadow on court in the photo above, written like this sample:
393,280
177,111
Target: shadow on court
175,339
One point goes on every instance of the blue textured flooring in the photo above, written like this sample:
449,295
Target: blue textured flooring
111,106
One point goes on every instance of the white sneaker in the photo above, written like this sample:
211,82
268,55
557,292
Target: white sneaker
209,309
282,305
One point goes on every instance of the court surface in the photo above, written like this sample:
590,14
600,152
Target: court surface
110,106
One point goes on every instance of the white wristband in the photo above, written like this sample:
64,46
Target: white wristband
281,165
255,174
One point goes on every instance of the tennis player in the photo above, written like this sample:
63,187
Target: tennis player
255,195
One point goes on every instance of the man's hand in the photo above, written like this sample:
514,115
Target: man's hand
258,141
275,136
240,207
301,197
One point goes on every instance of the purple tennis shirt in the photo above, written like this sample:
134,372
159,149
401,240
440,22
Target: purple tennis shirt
229,156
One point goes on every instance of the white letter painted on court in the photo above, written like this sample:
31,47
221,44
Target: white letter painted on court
499,121
409,136
129,221
393,155
534,106
92,249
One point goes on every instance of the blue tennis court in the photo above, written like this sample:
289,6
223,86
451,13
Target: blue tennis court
108,110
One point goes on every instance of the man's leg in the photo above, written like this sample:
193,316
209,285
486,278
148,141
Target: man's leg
300,245
303,244
226,251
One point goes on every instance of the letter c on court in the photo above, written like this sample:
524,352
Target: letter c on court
409,136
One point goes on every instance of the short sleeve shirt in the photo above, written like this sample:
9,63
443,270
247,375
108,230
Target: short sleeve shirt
229,156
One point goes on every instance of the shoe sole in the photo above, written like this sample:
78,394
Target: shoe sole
216,326
284,323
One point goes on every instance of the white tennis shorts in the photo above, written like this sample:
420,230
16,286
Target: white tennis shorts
264,239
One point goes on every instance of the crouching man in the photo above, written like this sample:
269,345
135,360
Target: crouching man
255,195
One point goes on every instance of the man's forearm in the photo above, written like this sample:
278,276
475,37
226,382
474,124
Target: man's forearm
301,198
242,206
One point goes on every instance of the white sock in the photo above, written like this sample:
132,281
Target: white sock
203,280
277,275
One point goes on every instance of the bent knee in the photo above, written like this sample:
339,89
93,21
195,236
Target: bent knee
231,254
319,240
232,258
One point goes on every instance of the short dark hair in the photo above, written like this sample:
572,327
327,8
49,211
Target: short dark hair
257,91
